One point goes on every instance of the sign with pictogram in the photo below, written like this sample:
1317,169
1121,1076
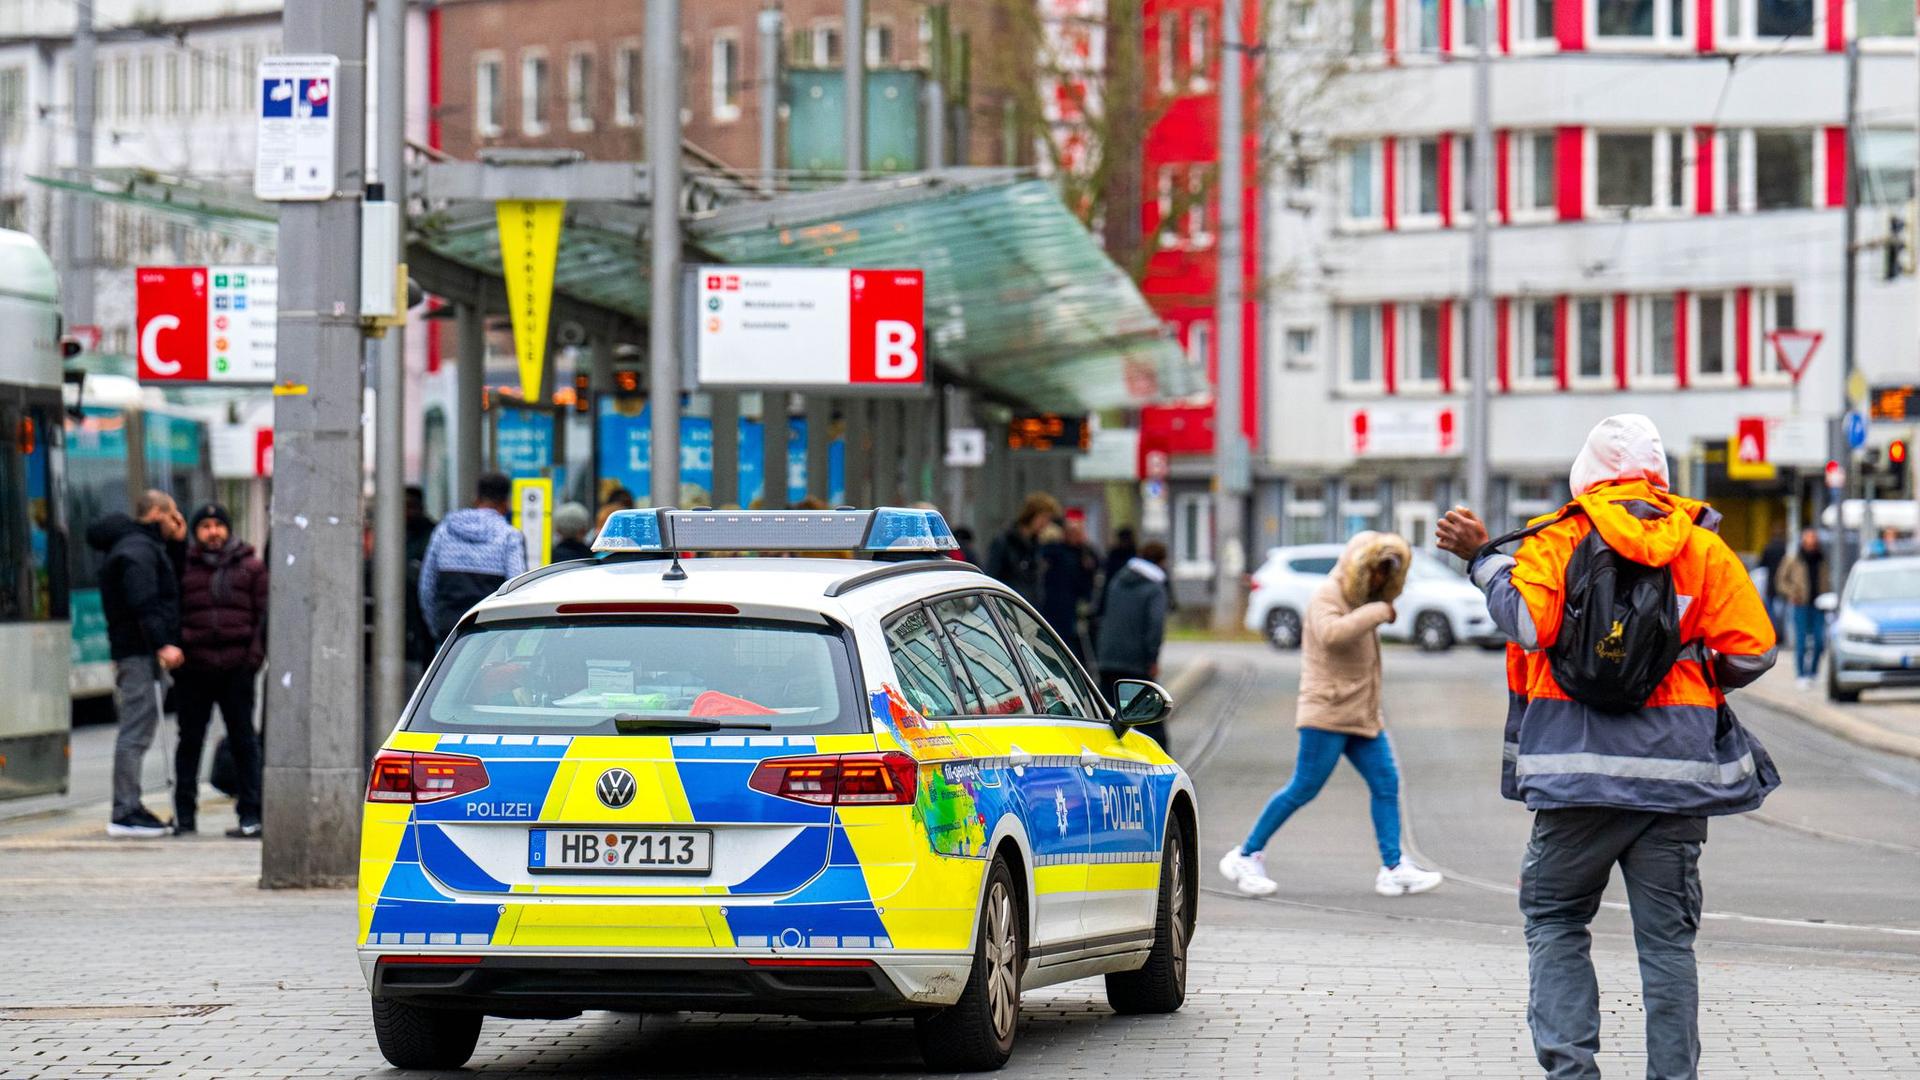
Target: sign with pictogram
801,328
529,257
1748,459
297,134
210,324
1794,349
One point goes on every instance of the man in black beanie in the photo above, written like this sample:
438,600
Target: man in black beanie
223,628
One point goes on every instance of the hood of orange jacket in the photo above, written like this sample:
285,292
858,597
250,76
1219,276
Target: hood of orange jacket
1640,521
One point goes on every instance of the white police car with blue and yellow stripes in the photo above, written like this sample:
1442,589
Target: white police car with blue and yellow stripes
819,786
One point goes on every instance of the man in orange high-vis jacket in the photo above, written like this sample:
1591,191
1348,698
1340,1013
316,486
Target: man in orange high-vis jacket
1628,788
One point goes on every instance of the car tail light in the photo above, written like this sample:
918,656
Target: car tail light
1251,583
888,779
405,776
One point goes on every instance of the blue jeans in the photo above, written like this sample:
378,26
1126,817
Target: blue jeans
1809,639
1319,752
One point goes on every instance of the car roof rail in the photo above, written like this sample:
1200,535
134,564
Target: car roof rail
888,571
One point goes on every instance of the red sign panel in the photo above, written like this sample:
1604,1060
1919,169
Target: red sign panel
885,338
1750,439
171,321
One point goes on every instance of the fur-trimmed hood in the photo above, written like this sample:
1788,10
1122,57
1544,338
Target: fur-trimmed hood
1364,552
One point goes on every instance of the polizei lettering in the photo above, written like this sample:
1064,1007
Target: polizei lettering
1121,808
500,809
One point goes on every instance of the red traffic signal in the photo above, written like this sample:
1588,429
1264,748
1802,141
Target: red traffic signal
1897,452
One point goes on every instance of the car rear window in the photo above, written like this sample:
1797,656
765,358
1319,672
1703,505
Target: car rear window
1315,565
596,676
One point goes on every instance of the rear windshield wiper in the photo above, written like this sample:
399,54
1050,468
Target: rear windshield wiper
630,724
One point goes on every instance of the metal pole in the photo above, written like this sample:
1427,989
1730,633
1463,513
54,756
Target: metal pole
78,285
470,386
936,92
315,772
389,437
1480,324
819,413
724,413
773,449
663,162
1230,454
854,52
1849,319
770,20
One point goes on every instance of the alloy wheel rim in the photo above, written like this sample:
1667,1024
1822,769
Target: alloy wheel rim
1179,915
1003,986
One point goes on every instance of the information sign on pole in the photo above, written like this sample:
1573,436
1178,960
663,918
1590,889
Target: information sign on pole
805,328
297,138
211,324
533,516
966,448
1855,426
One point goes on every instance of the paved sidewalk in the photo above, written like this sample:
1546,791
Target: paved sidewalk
163,960
1884,720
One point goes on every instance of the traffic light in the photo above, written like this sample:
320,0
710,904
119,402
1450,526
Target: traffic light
1890,472
1896,246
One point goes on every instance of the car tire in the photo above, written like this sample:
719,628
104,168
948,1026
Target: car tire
976,1033
1283,629
1161,985
1432,632
412,1037
1836,693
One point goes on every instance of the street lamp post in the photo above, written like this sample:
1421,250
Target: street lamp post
1230,481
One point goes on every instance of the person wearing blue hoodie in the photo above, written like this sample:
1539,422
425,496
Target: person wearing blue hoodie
472,553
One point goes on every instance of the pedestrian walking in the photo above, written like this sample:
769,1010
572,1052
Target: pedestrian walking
420,639
1014,556
1340,715
140,597
223,633
472,553
1125,546
571,520
1134,628
1068,574
1804,578
1618,782
1771,557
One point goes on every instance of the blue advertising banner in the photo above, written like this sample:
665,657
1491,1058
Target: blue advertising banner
625,445
525,445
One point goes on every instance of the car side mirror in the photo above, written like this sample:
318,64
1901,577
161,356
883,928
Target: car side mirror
1827,601
1139,702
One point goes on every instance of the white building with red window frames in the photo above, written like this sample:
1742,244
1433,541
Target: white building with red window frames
1669,182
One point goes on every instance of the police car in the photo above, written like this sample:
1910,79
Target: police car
821,786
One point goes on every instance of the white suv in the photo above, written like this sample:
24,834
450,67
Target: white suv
1439,608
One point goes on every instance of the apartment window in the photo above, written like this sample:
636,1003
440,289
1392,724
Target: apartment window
1302,18
1183,206
1886,167
1302,342
223,80
1535,170
171,78
724,75
1422,168
627,82
1361,36
1363,181
1782,18
487,106
1775,309
1199,41
122,90
1426,25
201,82
1732,148
1538,361
1654,358
1782,169
580,89
1471,17
149,98
1200,345
1623,169
1713,336
1645,20
1536,20
1363,345
249,81
13,83
826,44
879,44
1423,347
1884,18
533,94
1193,535
1593,338
1169,44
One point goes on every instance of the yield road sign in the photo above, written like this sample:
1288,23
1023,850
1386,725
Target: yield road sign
1794,349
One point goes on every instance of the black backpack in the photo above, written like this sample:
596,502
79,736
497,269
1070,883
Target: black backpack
1619,627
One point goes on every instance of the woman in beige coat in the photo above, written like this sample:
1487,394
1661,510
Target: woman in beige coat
1339,714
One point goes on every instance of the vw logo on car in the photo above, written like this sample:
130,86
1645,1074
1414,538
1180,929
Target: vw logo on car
616,788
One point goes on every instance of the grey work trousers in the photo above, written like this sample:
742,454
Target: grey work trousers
1569,859
137,684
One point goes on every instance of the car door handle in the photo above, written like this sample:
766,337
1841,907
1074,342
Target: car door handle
1089,758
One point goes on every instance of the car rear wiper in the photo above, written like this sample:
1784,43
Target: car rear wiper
631,724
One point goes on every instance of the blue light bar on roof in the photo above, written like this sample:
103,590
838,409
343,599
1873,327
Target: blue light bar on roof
887,529
631,530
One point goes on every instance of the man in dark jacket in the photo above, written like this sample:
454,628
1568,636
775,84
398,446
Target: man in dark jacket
1069,571
140,597
473,552
1134,626
420,641
1014,556
223,628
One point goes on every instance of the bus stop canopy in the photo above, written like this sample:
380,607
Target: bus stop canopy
1021,303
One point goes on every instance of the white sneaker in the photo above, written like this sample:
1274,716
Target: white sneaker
1247,872
1405,880
1803,683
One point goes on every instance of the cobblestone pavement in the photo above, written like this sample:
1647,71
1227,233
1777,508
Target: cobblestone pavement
163,960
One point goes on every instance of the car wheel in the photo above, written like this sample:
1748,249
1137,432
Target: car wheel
1161,985
1836,693
1433,632
1283,628
975,1033
415,1038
